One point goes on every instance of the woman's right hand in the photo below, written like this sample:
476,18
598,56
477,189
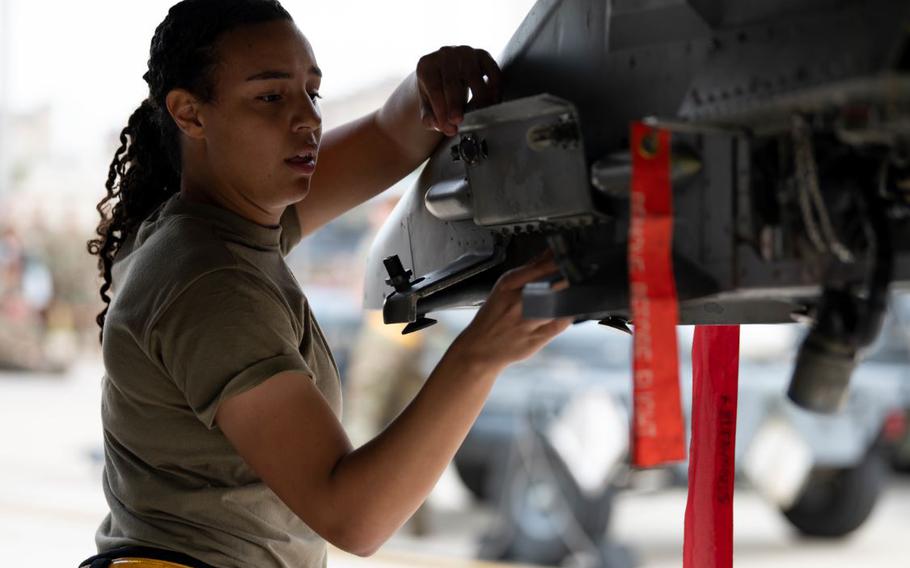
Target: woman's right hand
499,335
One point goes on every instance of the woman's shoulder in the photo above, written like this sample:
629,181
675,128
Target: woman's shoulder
163,262
178,248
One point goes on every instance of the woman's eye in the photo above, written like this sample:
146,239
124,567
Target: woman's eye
270,98
315,96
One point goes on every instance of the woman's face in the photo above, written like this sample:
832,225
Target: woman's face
262,129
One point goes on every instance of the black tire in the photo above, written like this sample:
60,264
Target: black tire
901,464
475,476
540,503
900,449
836,502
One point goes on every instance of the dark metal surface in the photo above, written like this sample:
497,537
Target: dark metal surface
790,170
726,78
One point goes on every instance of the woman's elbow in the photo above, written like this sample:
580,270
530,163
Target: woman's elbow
357,539
366,552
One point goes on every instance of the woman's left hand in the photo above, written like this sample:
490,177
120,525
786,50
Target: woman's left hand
443,80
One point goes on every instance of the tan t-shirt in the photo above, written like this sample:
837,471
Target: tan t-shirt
203,307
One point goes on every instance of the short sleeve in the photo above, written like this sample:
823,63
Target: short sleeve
290,230
226,333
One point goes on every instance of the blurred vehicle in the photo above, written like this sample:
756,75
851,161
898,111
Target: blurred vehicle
893,346
900,458
549,450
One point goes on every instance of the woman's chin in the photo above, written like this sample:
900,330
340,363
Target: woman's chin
301,188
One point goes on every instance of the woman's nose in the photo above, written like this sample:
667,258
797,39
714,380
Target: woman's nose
307,115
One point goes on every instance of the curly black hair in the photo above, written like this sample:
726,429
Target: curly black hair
146,167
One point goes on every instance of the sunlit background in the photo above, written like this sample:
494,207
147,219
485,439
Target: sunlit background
70,75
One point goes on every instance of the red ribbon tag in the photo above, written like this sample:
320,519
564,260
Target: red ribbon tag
657,428
709,511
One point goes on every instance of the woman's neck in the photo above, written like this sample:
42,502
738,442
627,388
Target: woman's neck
197,190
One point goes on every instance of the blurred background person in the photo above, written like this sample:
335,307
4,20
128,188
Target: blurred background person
26,294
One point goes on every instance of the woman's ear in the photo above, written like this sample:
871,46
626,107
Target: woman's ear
184,109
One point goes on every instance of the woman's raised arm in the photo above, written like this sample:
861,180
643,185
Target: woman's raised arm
362,158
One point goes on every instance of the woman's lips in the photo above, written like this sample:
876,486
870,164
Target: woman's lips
305,166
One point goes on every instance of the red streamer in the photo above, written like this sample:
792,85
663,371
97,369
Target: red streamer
657,428
709,510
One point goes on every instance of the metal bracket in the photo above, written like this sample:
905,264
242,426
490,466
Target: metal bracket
401,305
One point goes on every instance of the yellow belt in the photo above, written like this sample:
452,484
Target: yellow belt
145,563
